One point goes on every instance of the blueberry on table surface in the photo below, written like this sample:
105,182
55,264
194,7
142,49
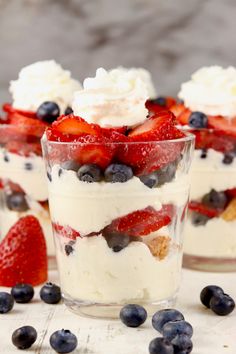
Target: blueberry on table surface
24,337
208,292
50,293
222,305
22,293
160,318
150,180
215,199
173,328
16,201
63,341
89,173
133,315
48,112
182,344
161,346
198,120
6,302
118,173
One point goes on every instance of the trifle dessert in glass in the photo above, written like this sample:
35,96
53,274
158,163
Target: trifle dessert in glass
118,191
208,109
41,93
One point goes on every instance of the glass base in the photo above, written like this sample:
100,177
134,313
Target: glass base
209,264
111,311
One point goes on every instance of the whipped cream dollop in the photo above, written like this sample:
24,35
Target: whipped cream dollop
211,90
43,81
113,98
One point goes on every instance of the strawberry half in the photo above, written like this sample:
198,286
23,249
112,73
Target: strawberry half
204,210
27,125
23,256
142,222
73,125
207,139
224,125
65,231
7,107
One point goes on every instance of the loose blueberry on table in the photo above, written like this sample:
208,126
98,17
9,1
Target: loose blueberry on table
6,302
63,341
50,293
133,315
24,337
22,293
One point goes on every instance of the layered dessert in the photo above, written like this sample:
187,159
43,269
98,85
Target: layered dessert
208,109
118,191
41,93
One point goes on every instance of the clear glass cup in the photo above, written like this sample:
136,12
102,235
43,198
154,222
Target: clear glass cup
118,243
210,231
23,186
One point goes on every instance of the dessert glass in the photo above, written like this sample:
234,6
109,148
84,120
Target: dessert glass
118,243
23,187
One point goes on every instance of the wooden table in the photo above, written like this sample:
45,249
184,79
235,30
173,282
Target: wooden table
212,334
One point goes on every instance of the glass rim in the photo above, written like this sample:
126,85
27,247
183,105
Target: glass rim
189,137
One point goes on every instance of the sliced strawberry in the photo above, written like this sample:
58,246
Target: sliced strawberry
23,256
72,125
7,107
224,125
207,139
65,231
154,107
11,133
27,125
181,113
24,148
142,222
108,132
203,209
231,193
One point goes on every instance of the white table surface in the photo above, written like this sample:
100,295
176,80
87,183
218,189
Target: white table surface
212,334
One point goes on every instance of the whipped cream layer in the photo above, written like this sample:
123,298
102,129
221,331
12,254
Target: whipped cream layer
210,173
40,82
215,239
89,207
32,181
211,90
112,99
93,272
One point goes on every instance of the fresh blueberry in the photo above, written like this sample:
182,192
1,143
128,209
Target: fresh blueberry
28,166
118,173
167,173
117,241
174,328
182,344
63,341
70,165
89,173
160,346
68,110
48,111
161,317
24,337
198,120
215,199
161,101
150,180
208,292
203,154
6,158
133,315
22,293
69,248
16,201
50,293
228,159
222,305
6,302
199,219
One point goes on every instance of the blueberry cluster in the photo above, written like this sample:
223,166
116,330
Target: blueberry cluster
214,298
49,111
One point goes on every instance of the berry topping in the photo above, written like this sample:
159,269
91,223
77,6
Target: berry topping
69,248
173,328
133,315
208,292
65,231
70,165
162,317
48,112
22,293
24,337
182,344
223,125
50,293
68,111
6,302
16,201
142,222
73,125
222,304
63,341
89,173
161,346
150,180
203,154
203,209
198,120
116,241
215,199
228,158
27,126
23,256
118,173
198,219
161,101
